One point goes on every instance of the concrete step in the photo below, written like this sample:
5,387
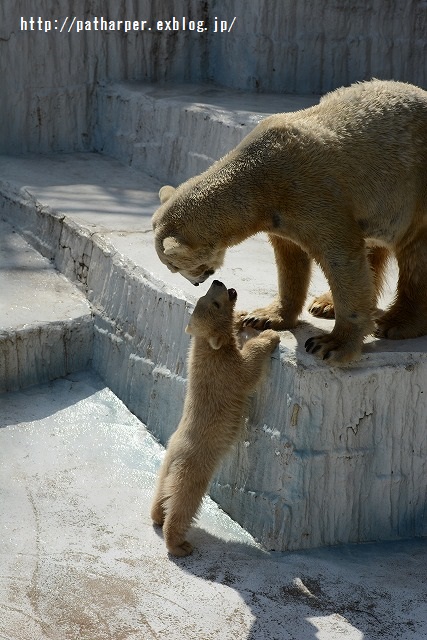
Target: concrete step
80,558
175,132
46,324
330,455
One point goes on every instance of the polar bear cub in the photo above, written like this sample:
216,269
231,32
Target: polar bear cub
221,377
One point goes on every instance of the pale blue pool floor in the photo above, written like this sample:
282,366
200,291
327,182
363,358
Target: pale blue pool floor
80,558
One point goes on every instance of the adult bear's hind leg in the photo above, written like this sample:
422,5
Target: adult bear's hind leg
323,306
407,316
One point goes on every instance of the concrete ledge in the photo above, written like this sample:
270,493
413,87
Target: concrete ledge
177,132
329,456
44,352
46,324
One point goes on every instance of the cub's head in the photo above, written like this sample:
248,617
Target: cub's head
212,317
181,240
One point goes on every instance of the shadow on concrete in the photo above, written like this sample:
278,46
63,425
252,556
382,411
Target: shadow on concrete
360,591
31,404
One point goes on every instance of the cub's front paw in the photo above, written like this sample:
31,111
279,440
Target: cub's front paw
272,336
239,319
333,350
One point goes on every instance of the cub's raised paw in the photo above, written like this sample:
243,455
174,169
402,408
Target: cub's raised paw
323,306
332,350
272,336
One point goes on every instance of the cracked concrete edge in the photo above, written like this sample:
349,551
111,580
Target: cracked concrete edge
68,244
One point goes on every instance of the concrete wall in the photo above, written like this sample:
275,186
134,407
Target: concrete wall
313,47
48,79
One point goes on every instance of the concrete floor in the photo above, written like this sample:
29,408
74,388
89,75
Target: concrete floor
80,559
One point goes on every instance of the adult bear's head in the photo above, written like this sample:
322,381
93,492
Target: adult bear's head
184,239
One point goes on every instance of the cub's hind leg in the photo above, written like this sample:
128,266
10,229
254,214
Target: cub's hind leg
160,497
157,509
407,316
185,487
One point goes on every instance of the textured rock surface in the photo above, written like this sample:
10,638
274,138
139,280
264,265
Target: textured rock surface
51,106
306,47
333,456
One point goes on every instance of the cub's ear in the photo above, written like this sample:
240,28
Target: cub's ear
174,247
166,192
189,328
216,342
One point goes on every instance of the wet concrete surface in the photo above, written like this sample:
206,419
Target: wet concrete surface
81,560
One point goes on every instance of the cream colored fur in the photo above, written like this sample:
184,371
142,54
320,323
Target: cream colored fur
220,379
343,183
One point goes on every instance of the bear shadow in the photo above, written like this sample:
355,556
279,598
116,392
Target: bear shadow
264,581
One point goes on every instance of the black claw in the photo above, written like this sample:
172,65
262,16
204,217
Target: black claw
308,343
326,356
267,324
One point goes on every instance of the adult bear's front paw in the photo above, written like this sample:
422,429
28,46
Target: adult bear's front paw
270,317
333,350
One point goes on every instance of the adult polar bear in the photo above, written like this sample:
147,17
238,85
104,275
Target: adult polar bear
343,183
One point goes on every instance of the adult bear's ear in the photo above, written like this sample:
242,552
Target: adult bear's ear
174,247
166,192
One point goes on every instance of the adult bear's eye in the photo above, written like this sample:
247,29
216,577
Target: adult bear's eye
216,304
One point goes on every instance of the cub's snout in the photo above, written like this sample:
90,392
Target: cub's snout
232,293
